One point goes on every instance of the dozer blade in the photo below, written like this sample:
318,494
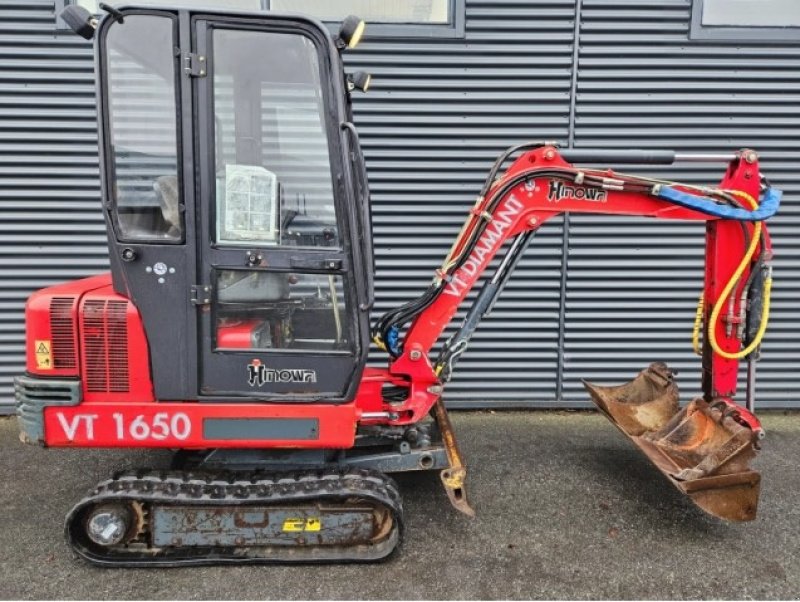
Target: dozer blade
701,449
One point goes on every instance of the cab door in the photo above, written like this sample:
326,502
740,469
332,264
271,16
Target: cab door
277,301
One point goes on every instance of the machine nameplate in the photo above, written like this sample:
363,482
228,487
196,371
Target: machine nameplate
227,429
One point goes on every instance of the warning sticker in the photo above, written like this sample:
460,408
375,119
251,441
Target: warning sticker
44,357
295,525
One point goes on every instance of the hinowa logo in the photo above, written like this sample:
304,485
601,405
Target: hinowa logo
258,374
559,191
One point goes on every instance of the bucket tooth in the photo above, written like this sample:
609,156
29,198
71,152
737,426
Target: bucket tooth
703,451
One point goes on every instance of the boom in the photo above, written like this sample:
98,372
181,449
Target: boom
541,184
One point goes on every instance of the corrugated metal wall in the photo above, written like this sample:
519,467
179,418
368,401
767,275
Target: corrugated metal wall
438,113
51,227
633,284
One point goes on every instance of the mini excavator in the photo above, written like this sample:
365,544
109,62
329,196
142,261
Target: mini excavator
234,325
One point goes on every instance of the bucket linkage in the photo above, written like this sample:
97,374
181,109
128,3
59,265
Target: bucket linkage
702,449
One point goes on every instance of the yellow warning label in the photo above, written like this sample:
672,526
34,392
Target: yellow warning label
44,358
299,525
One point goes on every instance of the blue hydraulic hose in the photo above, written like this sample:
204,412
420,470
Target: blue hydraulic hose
768,207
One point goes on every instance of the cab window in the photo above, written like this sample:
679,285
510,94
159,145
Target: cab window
142,129
273,172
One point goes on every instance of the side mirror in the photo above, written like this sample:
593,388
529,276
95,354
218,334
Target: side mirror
80,20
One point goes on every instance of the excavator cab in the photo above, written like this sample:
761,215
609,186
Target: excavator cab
229,180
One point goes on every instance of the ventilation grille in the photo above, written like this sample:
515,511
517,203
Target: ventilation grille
62,333
105,337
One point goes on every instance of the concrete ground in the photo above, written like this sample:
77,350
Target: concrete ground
566,509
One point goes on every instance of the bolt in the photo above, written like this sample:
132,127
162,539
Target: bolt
202,72
550,155
202,58
415,355
533,221
750,157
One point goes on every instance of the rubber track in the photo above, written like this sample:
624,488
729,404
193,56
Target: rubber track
234,489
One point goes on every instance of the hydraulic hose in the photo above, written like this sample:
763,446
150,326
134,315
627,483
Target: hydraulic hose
728,289
698,324
386,331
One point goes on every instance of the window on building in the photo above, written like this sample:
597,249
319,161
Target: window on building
396,18
92,5
372,11
738,20
390,18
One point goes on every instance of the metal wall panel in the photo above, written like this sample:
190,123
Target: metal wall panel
437,114
633,284
52,226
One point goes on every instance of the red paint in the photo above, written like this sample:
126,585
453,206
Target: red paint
38,322
135,383
336,424
237,334
724,250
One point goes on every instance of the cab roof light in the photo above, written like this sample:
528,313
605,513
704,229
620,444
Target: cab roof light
351,31
80,20
360,80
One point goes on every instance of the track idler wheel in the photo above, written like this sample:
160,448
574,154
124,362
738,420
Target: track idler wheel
702,449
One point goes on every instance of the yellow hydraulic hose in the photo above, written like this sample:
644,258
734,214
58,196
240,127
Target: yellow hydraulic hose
726,292
698,325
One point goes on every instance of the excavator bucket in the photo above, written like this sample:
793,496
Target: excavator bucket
701,449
